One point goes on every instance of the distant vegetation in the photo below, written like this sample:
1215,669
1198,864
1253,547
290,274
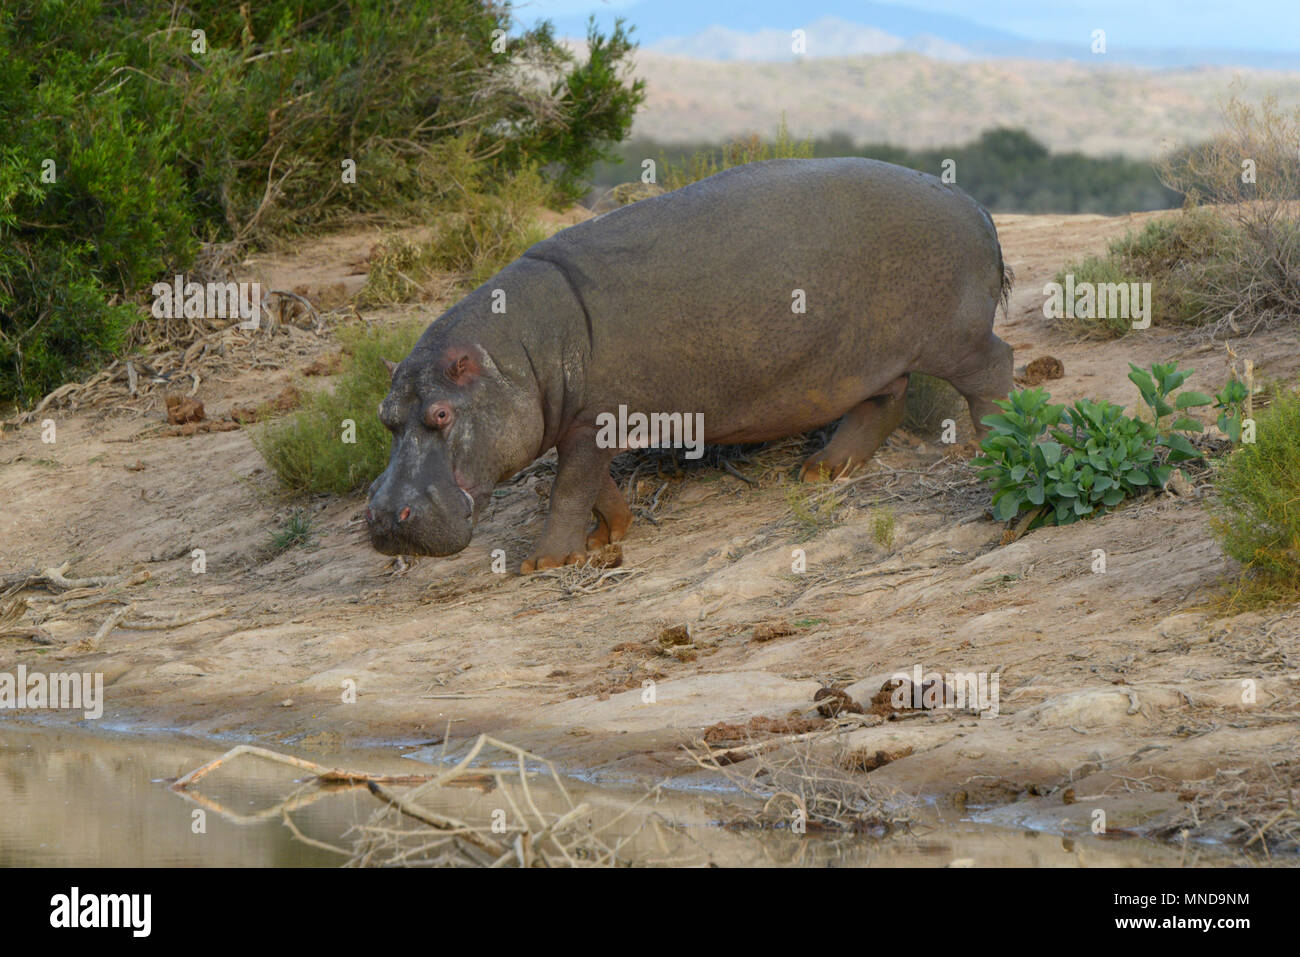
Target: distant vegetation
135,148
1229,263
679,171
1005,170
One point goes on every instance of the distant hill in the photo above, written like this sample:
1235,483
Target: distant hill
760,29
919,102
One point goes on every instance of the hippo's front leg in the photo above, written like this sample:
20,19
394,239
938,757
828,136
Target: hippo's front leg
581,475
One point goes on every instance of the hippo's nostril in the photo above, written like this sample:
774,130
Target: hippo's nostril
404,514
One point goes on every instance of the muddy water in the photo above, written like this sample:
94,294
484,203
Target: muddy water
75,799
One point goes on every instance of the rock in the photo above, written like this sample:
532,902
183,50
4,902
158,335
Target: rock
833,701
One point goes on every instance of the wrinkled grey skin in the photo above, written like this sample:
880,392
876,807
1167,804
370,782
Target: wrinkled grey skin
682,303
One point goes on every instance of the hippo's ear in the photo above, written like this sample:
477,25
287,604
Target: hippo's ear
462,366
391,366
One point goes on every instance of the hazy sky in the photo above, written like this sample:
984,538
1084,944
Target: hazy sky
1243,24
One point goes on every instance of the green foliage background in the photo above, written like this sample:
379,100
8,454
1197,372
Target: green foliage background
1005,170
158,148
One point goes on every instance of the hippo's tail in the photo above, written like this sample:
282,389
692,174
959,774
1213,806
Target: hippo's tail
1004,292
1005,276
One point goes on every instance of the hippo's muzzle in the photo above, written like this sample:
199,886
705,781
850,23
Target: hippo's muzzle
404,519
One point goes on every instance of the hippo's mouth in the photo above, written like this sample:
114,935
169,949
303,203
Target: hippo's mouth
475,497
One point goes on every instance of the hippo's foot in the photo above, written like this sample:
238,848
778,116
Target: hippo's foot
613,517
863,430
582,486
539,562
820,469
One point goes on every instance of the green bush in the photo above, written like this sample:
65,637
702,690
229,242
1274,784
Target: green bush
1095,456
306,449
1256,512
158,146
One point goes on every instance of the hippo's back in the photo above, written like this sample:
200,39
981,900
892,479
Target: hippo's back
808,220
759,272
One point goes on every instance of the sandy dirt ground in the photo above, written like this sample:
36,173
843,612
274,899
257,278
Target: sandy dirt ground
1120,691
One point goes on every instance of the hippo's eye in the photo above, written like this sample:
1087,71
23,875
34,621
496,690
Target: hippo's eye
437,415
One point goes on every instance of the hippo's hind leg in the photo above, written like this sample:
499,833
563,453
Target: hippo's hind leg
612,516
992,368
863,430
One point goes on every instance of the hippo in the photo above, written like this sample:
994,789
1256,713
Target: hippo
773,298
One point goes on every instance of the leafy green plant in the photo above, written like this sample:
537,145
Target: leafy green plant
1231,401
126,147
1066,462
1156,388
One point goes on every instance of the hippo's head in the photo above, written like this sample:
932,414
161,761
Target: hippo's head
459,427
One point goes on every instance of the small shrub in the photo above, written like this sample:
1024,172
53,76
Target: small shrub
1095,456
306,449
814,507
1164,253
883,526
479,235
491,231
298,529
1256,512
1248,277
1230,262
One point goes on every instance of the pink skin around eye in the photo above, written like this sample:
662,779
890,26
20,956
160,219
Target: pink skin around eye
437,416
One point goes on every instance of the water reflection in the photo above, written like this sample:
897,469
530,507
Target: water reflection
75,799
